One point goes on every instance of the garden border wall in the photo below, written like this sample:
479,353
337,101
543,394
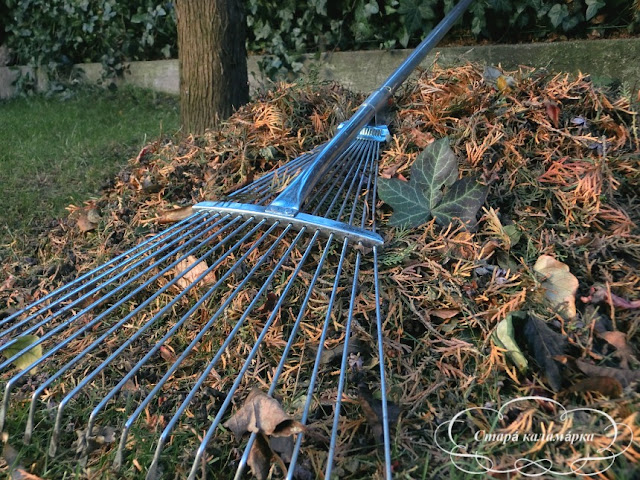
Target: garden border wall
604,60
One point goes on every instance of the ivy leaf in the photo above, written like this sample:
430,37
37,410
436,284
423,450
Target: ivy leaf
27,358
557,14
435,167
545,344
408,202
462,201
593,7
414,12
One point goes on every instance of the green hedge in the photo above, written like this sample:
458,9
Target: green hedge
283,28
58,33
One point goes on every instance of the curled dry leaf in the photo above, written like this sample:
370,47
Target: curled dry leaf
190,276
175,215
600,294
168,354
264,415
99,438
444,313
84,223
625,377
553,112
607,386
559,283
619,341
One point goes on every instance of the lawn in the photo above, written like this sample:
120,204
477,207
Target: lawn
60,151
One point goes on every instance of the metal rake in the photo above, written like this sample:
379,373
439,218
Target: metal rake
160,341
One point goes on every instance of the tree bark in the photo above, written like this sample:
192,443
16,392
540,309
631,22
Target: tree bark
213,61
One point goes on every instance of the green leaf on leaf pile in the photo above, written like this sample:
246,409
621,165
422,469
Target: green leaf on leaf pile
27,358
504,337
433,190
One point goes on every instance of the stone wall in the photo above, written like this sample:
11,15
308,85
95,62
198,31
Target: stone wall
605,60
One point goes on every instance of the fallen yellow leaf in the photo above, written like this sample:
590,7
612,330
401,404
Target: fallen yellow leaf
559,283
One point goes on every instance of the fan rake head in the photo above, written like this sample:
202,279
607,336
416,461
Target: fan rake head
147,356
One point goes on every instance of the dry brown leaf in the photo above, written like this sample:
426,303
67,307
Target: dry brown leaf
619,341
625,377
22,474
330,354
84,223
262,413
559,283
372,409
175,215
259,460
168,354
189,277
93,215
600,294
608,386
421,139
444,313
553,112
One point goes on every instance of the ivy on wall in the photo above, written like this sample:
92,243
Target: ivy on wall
55,34
58,33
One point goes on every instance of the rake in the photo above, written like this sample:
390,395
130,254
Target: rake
159,341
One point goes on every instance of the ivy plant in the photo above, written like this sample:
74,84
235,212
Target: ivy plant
433,190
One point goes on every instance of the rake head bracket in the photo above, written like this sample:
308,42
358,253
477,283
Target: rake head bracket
325,226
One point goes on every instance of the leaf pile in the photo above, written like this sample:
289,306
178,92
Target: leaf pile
555,255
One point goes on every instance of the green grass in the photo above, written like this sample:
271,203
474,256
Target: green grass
56,151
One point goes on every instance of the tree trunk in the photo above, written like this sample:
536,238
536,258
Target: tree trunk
213,61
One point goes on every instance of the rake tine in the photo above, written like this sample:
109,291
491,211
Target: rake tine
250,356
316,365
158,239
383,382
386,434
366,160
95,372
133,417
285,353
353,167
343,368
